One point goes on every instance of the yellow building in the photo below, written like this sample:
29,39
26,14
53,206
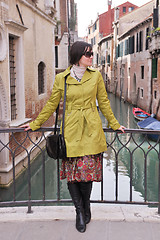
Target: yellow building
27,67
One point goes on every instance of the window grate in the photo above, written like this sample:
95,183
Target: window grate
12,77
41,76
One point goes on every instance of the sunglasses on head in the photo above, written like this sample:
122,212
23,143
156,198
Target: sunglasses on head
88,54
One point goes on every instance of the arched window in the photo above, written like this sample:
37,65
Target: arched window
41,78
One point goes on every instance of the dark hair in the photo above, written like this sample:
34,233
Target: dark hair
77,50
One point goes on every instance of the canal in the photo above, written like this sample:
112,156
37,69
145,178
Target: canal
123,112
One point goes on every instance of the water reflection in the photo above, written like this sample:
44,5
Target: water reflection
123,112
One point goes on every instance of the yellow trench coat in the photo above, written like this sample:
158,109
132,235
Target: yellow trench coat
83,130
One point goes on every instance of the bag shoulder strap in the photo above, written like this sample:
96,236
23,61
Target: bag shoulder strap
64,108
64,104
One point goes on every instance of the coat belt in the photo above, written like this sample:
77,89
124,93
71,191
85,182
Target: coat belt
82,117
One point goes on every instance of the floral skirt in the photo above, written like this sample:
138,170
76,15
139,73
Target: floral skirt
82,169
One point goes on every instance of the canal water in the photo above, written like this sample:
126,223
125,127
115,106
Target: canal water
123,112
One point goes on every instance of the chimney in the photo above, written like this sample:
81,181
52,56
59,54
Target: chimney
109,4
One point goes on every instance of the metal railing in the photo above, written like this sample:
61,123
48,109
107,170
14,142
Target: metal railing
16,146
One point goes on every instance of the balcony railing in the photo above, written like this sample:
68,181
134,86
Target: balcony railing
116,142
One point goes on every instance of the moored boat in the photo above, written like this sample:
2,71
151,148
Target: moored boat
152,124
140,114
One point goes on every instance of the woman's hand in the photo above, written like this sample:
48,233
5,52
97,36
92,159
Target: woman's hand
26,126
122,128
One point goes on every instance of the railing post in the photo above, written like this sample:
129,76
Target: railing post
102,180
29,185
58,181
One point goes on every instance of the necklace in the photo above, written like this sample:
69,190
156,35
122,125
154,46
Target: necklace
76,77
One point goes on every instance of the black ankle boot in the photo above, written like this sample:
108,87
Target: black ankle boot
86,188
77,200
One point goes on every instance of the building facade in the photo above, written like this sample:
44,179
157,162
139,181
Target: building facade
66,32
130,57
154,49
133,62
101,28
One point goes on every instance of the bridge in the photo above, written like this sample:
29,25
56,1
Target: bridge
109,217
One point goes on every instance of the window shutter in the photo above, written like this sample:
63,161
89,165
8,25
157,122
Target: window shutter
147,34
154,68
108,59
121,49
126,47
133,44
155,17
140,41
137,43
130,45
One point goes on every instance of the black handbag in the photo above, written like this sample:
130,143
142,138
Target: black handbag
55,144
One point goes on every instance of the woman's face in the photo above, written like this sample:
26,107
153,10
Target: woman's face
86,59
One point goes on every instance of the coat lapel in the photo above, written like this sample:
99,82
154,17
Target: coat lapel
87,76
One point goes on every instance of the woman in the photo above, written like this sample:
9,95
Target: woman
84,136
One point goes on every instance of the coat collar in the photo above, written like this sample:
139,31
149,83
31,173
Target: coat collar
87,76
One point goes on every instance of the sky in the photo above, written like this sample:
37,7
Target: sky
89,9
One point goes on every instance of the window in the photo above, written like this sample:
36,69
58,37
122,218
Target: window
154,68
141,93
137,43
118,51
56,56
155,94
155,17
108,59
16,74
94,40
147,34
41,78
12,67
142,72
121,49
102,60
94,27
124,9
106,44
130,9
97,59
129,71
140,41
131,45
126,48
157,3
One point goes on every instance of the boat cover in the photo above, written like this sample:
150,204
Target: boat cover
149,123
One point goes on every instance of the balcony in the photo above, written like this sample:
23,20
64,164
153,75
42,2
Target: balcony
154,42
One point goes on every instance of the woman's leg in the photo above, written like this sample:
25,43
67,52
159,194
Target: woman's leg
74,190
86,188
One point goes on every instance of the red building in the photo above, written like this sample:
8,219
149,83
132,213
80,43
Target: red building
106,18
